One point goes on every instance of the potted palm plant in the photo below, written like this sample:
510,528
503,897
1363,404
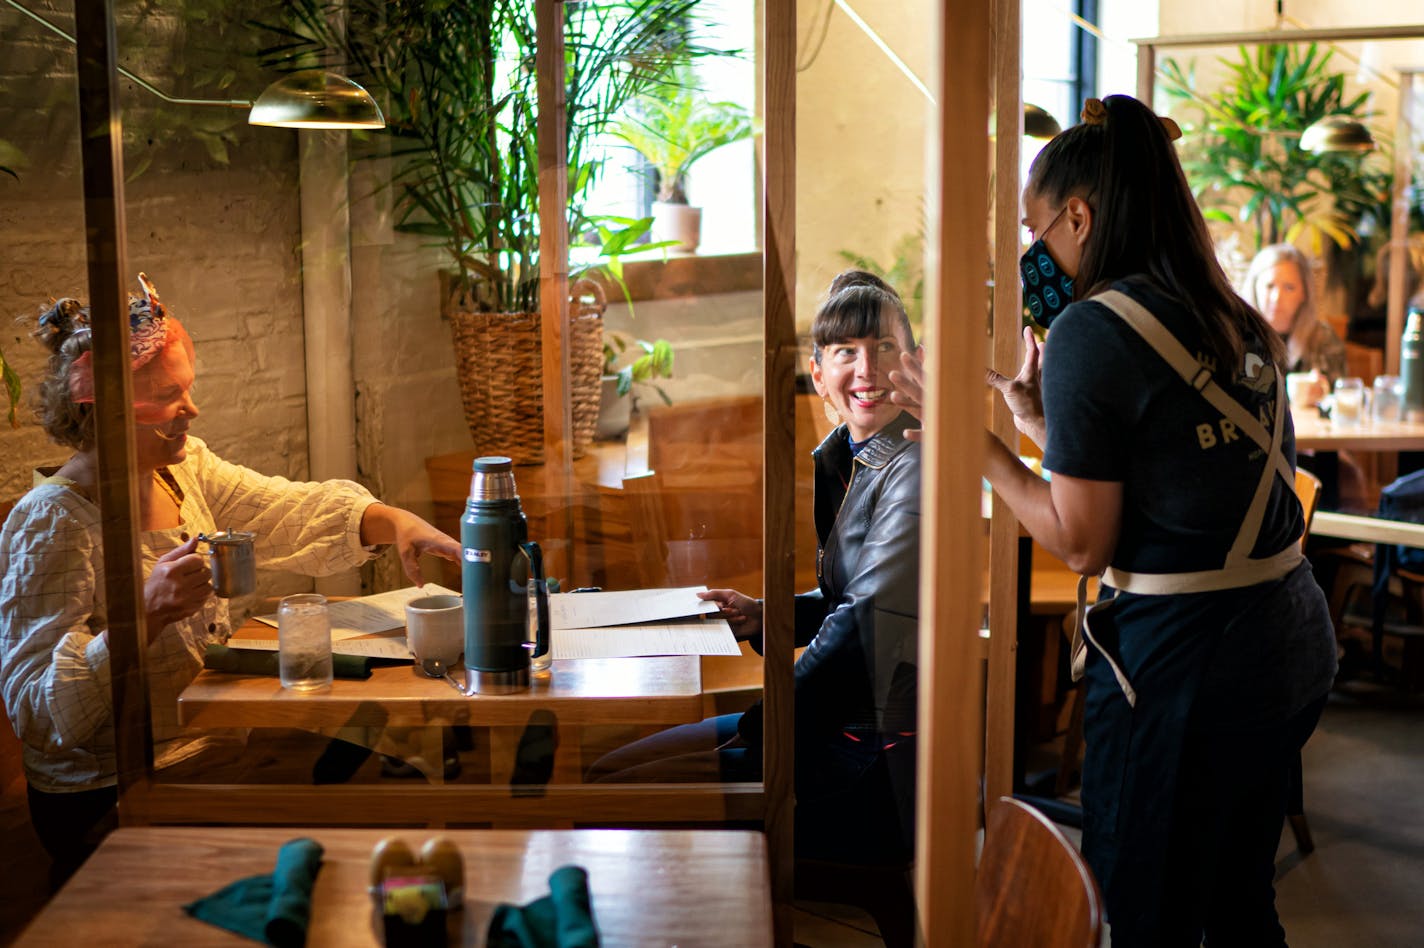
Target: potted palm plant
643,363
1244,158
672,126
459,90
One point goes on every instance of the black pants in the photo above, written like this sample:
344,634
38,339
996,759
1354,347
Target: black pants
70,826
1230,809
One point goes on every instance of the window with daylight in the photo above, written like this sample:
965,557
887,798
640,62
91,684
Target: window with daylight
723,183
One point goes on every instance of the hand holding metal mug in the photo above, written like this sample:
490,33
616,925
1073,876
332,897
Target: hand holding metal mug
176,587
232,561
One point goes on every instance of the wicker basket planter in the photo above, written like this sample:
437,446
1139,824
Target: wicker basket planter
499,367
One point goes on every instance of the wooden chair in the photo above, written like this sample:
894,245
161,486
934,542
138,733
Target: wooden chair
1033,886
1307,489
1339,322
1363,361
1366,362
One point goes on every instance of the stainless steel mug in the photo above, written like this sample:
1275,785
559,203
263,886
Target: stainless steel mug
232,561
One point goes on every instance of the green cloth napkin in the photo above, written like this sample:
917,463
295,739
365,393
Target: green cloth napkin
561,919
271,908
261,661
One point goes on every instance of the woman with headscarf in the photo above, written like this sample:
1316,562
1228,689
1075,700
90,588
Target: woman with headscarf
54,649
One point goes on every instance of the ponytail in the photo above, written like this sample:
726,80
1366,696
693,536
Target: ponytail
1120,160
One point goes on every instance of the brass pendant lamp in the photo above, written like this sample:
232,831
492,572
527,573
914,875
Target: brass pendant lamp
1038,122
315,98
310,99
1337,134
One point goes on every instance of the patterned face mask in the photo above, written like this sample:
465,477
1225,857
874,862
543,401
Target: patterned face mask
1047,290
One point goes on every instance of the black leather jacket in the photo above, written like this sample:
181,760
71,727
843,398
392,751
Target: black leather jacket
858,675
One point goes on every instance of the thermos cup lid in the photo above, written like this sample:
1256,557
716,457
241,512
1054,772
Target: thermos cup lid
493,465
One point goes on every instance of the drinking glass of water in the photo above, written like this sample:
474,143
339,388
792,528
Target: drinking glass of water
1349,409
304,642
1387,398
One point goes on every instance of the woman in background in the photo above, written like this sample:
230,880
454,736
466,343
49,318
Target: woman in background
1279,284
54,649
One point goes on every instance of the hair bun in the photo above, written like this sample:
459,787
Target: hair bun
1094,112
849,278
63,319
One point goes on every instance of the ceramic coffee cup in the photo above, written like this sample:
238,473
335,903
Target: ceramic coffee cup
1305,389
435,628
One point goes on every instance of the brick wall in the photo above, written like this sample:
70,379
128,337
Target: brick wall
214,219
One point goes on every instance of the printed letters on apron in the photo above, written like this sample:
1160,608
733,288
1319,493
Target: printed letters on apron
1239,568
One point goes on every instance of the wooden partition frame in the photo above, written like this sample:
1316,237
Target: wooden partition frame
1007,309
101,144
144,800
779,448
1399,223
1405,135
951,732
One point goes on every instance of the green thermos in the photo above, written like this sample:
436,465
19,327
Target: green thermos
502,581
1411,366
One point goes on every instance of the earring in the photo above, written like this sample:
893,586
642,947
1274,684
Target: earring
833,416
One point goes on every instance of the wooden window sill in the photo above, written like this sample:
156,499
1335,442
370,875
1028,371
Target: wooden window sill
679,277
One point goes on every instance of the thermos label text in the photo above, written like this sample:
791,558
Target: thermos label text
478,556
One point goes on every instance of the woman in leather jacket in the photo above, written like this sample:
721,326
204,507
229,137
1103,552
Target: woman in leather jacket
856,680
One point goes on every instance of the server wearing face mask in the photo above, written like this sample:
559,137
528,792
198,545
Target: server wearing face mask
1158,399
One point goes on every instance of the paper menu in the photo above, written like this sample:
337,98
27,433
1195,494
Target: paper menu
626,623
626,607
637,622
371,625
689,637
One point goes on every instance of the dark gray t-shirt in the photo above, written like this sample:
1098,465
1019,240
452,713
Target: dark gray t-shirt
1117,412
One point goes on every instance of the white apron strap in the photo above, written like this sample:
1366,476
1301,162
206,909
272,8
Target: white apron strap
1239,569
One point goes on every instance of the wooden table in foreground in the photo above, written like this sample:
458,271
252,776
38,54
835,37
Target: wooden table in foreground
649,887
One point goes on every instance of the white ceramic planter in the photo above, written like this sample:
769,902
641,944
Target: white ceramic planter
613,412
679,222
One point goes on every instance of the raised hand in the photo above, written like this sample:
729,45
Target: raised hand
1024,393
909,393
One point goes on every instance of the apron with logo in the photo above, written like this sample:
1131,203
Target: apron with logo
1135,729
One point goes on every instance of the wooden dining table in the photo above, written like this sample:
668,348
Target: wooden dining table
1313,433
648,887
409,709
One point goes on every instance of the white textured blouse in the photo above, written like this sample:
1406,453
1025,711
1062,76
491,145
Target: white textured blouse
54,657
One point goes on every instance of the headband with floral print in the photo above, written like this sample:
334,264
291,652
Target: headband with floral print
151,331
